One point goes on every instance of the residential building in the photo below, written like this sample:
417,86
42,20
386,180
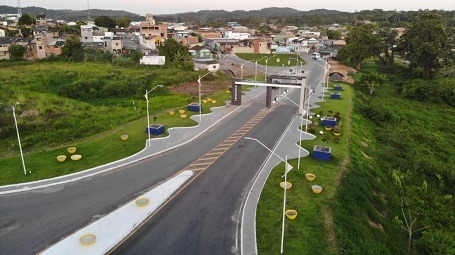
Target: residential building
151,31
5,44
233,35
113,45
55,47
41,20
200,52
209,65
248,46
87,33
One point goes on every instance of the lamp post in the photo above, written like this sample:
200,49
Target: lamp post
199,90
267,60
19,138
148,115
241,73
256,67
288,166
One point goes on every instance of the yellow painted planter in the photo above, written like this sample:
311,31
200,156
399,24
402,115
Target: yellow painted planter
228,92
76,157
213,101
171,112
209,99
316,189
328,128
124,137
61,158
204,101
142,202
183,116
87,239
285,185
291,214
336,133
181,111
310,177
71,150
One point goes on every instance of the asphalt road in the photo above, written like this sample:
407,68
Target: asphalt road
202,219
32,220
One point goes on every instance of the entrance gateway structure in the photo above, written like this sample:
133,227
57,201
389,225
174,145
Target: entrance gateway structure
273,81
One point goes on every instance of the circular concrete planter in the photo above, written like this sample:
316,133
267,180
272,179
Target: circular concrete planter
183,116
316,189
181,111
336,133
310,177
291,214
61,158
142,202
76,157
124,137
328,128
213,101
87,239
209,99
204,101
171,112
71,150
285,185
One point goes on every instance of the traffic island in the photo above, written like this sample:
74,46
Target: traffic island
155,129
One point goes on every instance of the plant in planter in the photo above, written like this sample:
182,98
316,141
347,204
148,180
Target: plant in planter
338,116
326,138
311,128
336,130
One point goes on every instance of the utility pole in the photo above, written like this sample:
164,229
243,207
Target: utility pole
88,10
19,11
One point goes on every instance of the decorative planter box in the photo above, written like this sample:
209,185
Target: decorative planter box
335,95
338,87
322,152
194,107
329,121
155,129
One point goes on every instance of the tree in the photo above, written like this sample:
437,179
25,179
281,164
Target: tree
361,43
26,19
174,52
387,42
135,56
123,22
105,21
25,31
72,50
427,43
372,80
16,51
333,34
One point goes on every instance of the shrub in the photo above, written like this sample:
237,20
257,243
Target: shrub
436,91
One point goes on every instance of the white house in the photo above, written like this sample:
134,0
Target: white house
209,65
233,35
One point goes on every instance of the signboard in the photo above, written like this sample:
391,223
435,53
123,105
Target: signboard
153,60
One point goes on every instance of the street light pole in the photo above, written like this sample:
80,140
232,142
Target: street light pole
18,138
148,115
256,67
199,91
284,206
266,62
241,74
288,166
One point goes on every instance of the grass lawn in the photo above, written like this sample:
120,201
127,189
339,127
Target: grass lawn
95,150
309,232
277,60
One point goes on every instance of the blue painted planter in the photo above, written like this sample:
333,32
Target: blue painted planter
329,121
194,107
338,87
155,129
322,152
335,96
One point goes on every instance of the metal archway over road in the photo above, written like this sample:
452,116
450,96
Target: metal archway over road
273,81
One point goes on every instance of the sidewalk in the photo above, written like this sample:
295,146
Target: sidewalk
287,145
177,137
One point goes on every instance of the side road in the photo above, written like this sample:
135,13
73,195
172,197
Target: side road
177,137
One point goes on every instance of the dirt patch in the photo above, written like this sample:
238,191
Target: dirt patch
208,87
338,67
328,221
365,155
376,225
364,144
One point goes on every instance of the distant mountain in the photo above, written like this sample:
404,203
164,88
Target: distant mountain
71,15
222,15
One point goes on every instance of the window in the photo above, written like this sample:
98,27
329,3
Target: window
214,66
40,47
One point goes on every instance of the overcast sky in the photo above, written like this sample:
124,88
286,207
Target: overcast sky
177,6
